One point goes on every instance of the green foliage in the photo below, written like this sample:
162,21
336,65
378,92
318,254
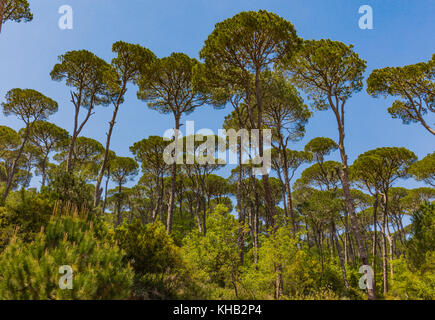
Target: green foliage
163,79
284,110
321,147
123,168
31,270
130,60
377,169
425,169
230,49
24,213
68,187
414,284
414,87
47,136
321,175
29,105
156,260
213,258
16,10
325,68
173,234
423,235
414,277
9,141
299,272
85,158
85,72
150,153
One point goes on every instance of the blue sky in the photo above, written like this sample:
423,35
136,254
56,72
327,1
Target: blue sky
402,35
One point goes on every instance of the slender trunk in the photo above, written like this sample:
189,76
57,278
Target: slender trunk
173,178
2,9
270,205
198,219
320,236
290,201
340,255
346,252
344,177
256,216
204,210
98,191
77,128
44,169
390,243
278,172
331,246
384,244
73,139
375,239
158,202
11,173
105,191
348,241
424,123
241,214
287,186
119,205
308,234
278,282
162,192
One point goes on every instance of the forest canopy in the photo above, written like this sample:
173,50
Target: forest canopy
138,227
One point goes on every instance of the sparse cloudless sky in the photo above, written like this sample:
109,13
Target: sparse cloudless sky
404,33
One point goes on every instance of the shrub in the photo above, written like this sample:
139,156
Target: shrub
156,260
31,270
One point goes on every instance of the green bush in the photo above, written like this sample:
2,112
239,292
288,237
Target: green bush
414,278
213,259
300,273
24,213
411,284
31,270
156,260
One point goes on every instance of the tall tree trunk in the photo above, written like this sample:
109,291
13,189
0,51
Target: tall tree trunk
348,241
173,179
270,205
105,191
375,238
241,215
346,252
288,192
119,205
290,200
73,137
256,216
78,128
344,177
384,244
322,259
198,218
197,206
204,210
158,202
278,281
44,169
98,191
340,255
390,243
284,192
11,173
